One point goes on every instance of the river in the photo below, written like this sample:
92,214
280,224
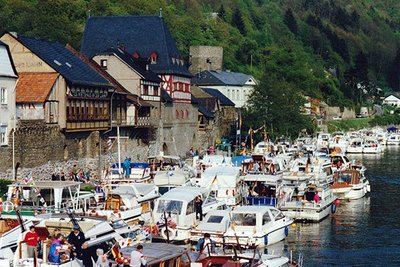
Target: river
364,232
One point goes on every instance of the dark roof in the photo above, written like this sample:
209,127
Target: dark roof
73,69
211,77
134,64
165,96
136,34
194,99
205,112
221,97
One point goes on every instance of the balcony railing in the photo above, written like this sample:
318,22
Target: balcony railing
143,121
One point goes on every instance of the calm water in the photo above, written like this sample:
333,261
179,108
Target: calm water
364,232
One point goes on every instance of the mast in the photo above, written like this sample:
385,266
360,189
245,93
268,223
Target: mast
119,151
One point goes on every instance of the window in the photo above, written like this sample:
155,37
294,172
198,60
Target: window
145,89
177,114
244,219
173,206
103,63
190,208
3,95
212,197
266,219
277,214
155,91
3,135
215,219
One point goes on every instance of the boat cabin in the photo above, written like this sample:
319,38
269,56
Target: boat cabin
177,207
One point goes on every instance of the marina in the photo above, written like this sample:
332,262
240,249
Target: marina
314,206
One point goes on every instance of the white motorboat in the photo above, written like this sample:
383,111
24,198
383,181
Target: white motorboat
356,146
372,146
350,184
175,211
305,168
300,202
393,139
129,201
338,142
257,225
323,140
215,223
224,181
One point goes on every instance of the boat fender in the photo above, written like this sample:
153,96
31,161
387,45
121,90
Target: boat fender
233,192
171,233
93,212
286,231
227,192
333,208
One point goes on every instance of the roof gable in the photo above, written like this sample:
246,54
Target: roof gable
7,67
73,69
222,78
146,74
138,35
34,87
392,98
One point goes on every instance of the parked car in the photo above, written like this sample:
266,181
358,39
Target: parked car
337,118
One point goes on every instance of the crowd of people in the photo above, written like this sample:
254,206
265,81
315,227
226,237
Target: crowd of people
78,175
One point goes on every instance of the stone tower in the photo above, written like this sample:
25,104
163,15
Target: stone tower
205,58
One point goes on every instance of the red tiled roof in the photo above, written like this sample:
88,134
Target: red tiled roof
34,87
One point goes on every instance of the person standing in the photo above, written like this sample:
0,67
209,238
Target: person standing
55,249
137,257
203,243
198,205
76,238
31,239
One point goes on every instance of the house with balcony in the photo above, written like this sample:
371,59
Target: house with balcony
127,108
8,79
149,44
234,85
134,75
58,87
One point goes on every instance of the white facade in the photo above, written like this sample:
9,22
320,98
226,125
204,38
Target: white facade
391,101
8,79
237,94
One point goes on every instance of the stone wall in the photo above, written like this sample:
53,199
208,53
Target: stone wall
335,111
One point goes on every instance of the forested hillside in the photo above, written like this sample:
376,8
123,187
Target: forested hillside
340,51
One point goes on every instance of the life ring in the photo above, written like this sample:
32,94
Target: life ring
171,233
333,208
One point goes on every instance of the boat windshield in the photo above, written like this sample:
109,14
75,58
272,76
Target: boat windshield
244,219
174,206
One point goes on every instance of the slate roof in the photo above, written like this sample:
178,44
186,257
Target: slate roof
205,112
134,64
137,34
34,87
225,101
73,69
165,96
212,77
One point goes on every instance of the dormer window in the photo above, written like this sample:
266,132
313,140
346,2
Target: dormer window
182,62
173,60
153,58
103,63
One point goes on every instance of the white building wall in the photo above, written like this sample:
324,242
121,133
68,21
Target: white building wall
7,108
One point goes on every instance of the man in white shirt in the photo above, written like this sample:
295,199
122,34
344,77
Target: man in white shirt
137,257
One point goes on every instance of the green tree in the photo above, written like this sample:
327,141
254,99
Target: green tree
238,22
277,104
290,21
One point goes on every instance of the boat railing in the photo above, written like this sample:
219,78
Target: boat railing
261,201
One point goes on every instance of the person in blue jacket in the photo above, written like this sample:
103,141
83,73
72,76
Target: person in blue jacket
203,242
